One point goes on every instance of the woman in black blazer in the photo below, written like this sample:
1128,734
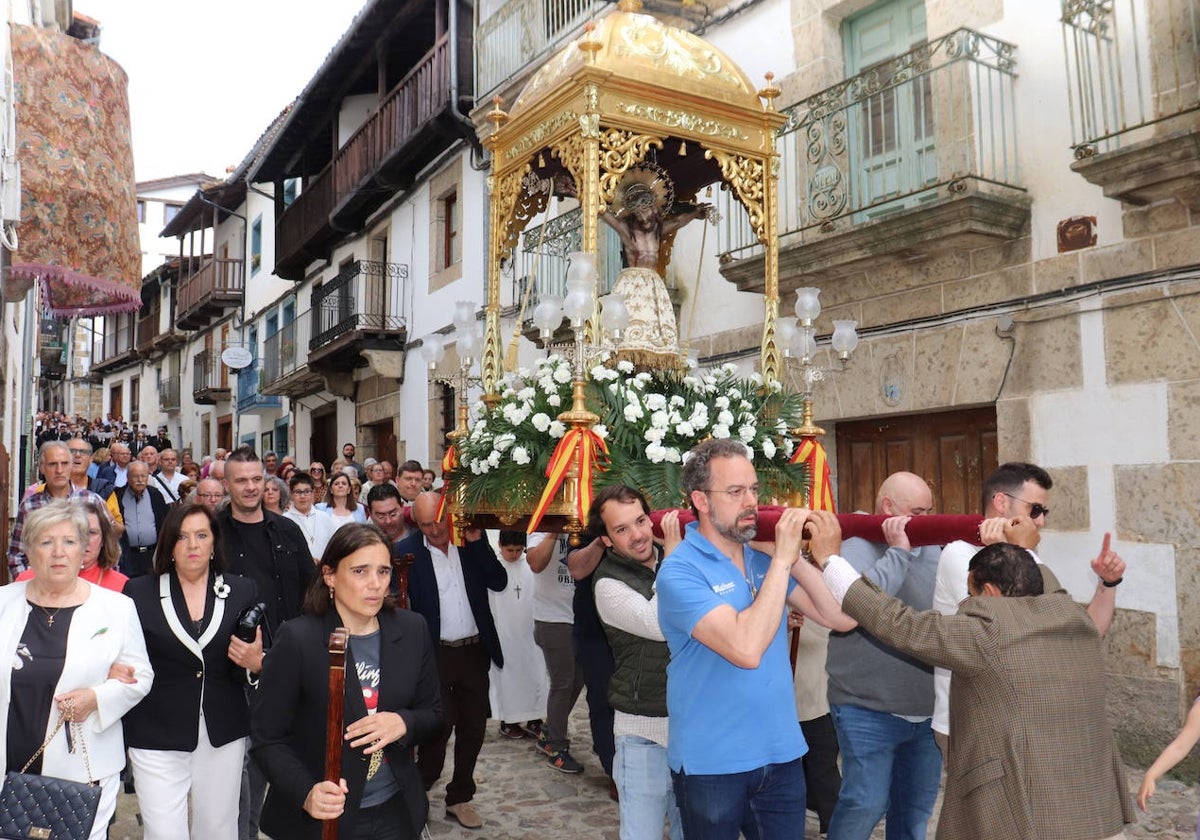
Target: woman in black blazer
392,697
190,732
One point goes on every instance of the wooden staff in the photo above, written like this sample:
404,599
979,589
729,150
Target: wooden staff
400,568
333,723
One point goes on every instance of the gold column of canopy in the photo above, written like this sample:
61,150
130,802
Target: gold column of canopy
78,230
632,90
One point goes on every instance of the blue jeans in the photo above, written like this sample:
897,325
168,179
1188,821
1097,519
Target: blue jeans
763,804
889,766
644,784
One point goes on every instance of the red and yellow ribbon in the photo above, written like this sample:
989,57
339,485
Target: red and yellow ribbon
811,452
449,464
581,446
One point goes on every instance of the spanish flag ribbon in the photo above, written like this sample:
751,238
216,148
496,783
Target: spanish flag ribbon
811,452
584,445
449,464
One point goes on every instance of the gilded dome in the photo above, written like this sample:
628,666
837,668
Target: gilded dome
641,47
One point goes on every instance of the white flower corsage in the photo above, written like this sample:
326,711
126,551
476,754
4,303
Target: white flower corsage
221,588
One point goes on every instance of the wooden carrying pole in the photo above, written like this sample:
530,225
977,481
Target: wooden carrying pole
333,723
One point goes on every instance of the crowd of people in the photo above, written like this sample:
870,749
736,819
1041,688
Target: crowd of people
211,669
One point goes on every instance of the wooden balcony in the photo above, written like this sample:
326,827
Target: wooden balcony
285,361
410,127
217,285
210,378
115,349
358,310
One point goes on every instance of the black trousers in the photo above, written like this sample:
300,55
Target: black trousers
463,672
595,656
823,780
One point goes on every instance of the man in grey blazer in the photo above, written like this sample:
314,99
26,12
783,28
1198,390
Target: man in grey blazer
1031,751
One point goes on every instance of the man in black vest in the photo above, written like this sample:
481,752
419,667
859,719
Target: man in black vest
624,589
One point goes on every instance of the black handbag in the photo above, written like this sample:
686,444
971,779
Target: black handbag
36,807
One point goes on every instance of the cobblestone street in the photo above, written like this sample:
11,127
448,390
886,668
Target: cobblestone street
522,798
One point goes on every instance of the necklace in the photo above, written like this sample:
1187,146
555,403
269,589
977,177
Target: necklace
49,615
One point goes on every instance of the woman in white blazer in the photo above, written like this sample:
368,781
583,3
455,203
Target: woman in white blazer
62,636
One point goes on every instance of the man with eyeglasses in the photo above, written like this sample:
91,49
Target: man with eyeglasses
1014,510
81,457
734,746
881,700
210,493
317,525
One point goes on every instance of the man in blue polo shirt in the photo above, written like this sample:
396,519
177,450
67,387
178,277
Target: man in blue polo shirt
734,744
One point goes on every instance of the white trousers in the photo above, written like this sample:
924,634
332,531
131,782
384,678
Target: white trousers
213,776
109,786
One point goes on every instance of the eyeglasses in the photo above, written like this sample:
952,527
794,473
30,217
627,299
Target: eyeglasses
302,491
316,470
211,495
1036,509
81,452
738,492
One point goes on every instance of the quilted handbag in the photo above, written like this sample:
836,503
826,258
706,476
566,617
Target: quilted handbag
45,808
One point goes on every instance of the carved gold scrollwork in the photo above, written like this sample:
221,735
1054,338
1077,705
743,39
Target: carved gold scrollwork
746,177
682,119
515,208
570,151
620,150
539,133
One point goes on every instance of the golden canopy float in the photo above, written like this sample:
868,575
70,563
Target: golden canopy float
78,230
633,119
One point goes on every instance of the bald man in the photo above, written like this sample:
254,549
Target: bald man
447,584
881,700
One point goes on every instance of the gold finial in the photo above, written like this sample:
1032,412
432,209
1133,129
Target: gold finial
683,148
769,92
588,42
497,117
630,5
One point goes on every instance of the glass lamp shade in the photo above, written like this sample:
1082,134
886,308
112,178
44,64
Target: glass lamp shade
469,344
808,303
464,315
614,316
785,333
806,343
582,273
578,306
433,349
845,338
547,315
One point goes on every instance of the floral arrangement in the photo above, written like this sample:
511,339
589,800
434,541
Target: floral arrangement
649,421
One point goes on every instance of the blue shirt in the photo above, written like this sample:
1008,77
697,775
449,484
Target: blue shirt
723,719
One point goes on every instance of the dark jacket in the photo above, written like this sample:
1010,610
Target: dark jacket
185,673
158,505
289,718
481,571
281,578
639,681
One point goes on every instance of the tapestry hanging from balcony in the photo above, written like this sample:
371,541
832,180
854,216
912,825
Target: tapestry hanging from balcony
78,230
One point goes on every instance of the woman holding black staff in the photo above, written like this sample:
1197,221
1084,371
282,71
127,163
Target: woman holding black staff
61,636
392,703
190,733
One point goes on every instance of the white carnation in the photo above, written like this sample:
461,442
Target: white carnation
685,429
557,429
541,421
655,402
671,455
625,366
747,433
520,455
562,374
554,400
768,448
720,430
725,418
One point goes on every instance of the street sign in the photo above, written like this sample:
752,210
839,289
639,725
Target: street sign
237,357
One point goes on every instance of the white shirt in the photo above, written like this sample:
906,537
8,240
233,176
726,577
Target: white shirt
160,481
317,526
620,605
948,592
553,586
458,622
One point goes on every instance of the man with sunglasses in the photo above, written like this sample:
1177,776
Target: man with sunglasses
1015,511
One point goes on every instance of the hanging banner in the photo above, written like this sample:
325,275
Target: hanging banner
78,232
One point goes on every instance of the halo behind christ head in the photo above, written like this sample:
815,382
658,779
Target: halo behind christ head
643,184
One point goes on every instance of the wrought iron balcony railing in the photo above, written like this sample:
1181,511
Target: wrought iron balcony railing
364,297
287,351
1131,64
522,31
168,393
940,116
209,376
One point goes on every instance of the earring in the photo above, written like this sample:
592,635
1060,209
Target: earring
331,593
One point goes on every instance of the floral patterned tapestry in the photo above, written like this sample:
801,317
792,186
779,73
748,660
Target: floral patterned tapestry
78,231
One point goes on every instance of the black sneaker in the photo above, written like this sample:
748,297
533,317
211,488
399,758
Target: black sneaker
533,729
511,730
560,759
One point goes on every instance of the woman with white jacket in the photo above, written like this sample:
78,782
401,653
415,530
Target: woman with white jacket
63,635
